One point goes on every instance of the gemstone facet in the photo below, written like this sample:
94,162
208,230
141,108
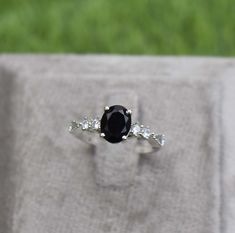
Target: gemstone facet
115,123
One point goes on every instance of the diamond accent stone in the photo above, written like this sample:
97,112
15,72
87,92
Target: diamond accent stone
160,138
95,124
73,125
135,129
145,132
84,124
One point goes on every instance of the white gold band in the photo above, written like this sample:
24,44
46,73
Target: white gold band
92,125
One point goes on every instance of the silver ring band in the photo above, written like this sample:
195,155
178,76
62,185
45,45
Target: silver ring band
115,118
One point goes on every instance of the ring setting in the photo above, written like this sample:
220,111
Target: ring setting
116,126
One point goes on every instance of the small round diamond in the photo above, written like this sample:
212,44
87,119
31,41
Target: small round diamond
95,124
135,129
160,138
85,124
74,125
145,132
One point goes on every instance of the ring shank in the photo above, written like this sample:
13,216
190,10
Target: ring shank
146,144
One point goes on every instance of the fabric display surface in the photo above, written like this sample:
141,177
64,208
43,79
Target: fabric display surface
51,182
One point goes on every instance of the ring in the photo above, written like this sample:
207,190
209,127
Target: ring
116,126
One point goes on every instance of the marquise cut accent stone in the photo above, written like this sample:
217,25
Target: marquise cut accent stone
115,123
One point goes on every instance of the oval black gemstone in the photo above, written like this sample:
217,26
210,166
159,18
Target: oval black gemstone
115,123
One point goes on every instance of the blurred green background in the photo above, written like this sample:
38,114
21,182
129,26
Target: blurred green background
195,27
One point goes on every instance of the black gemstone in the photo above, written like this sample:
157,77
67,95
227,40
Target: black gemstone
115,123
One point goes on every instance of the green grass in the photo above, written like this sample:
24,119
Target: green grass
197,27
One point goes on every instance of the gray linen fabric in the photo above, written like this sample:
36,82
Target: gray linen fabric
53,183
228,152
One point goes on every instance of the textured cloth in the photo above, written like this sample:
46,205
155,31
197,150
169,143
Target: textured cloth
53,183
228,154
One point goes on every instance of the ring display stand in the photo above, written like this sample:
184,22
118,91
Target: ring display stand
52,182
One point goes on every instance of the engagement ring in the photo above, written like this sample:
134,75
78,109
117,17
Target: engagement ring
116,126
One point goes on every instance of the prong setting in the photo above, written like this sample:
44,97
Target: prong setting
124,137
129,112
102,135
106,108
